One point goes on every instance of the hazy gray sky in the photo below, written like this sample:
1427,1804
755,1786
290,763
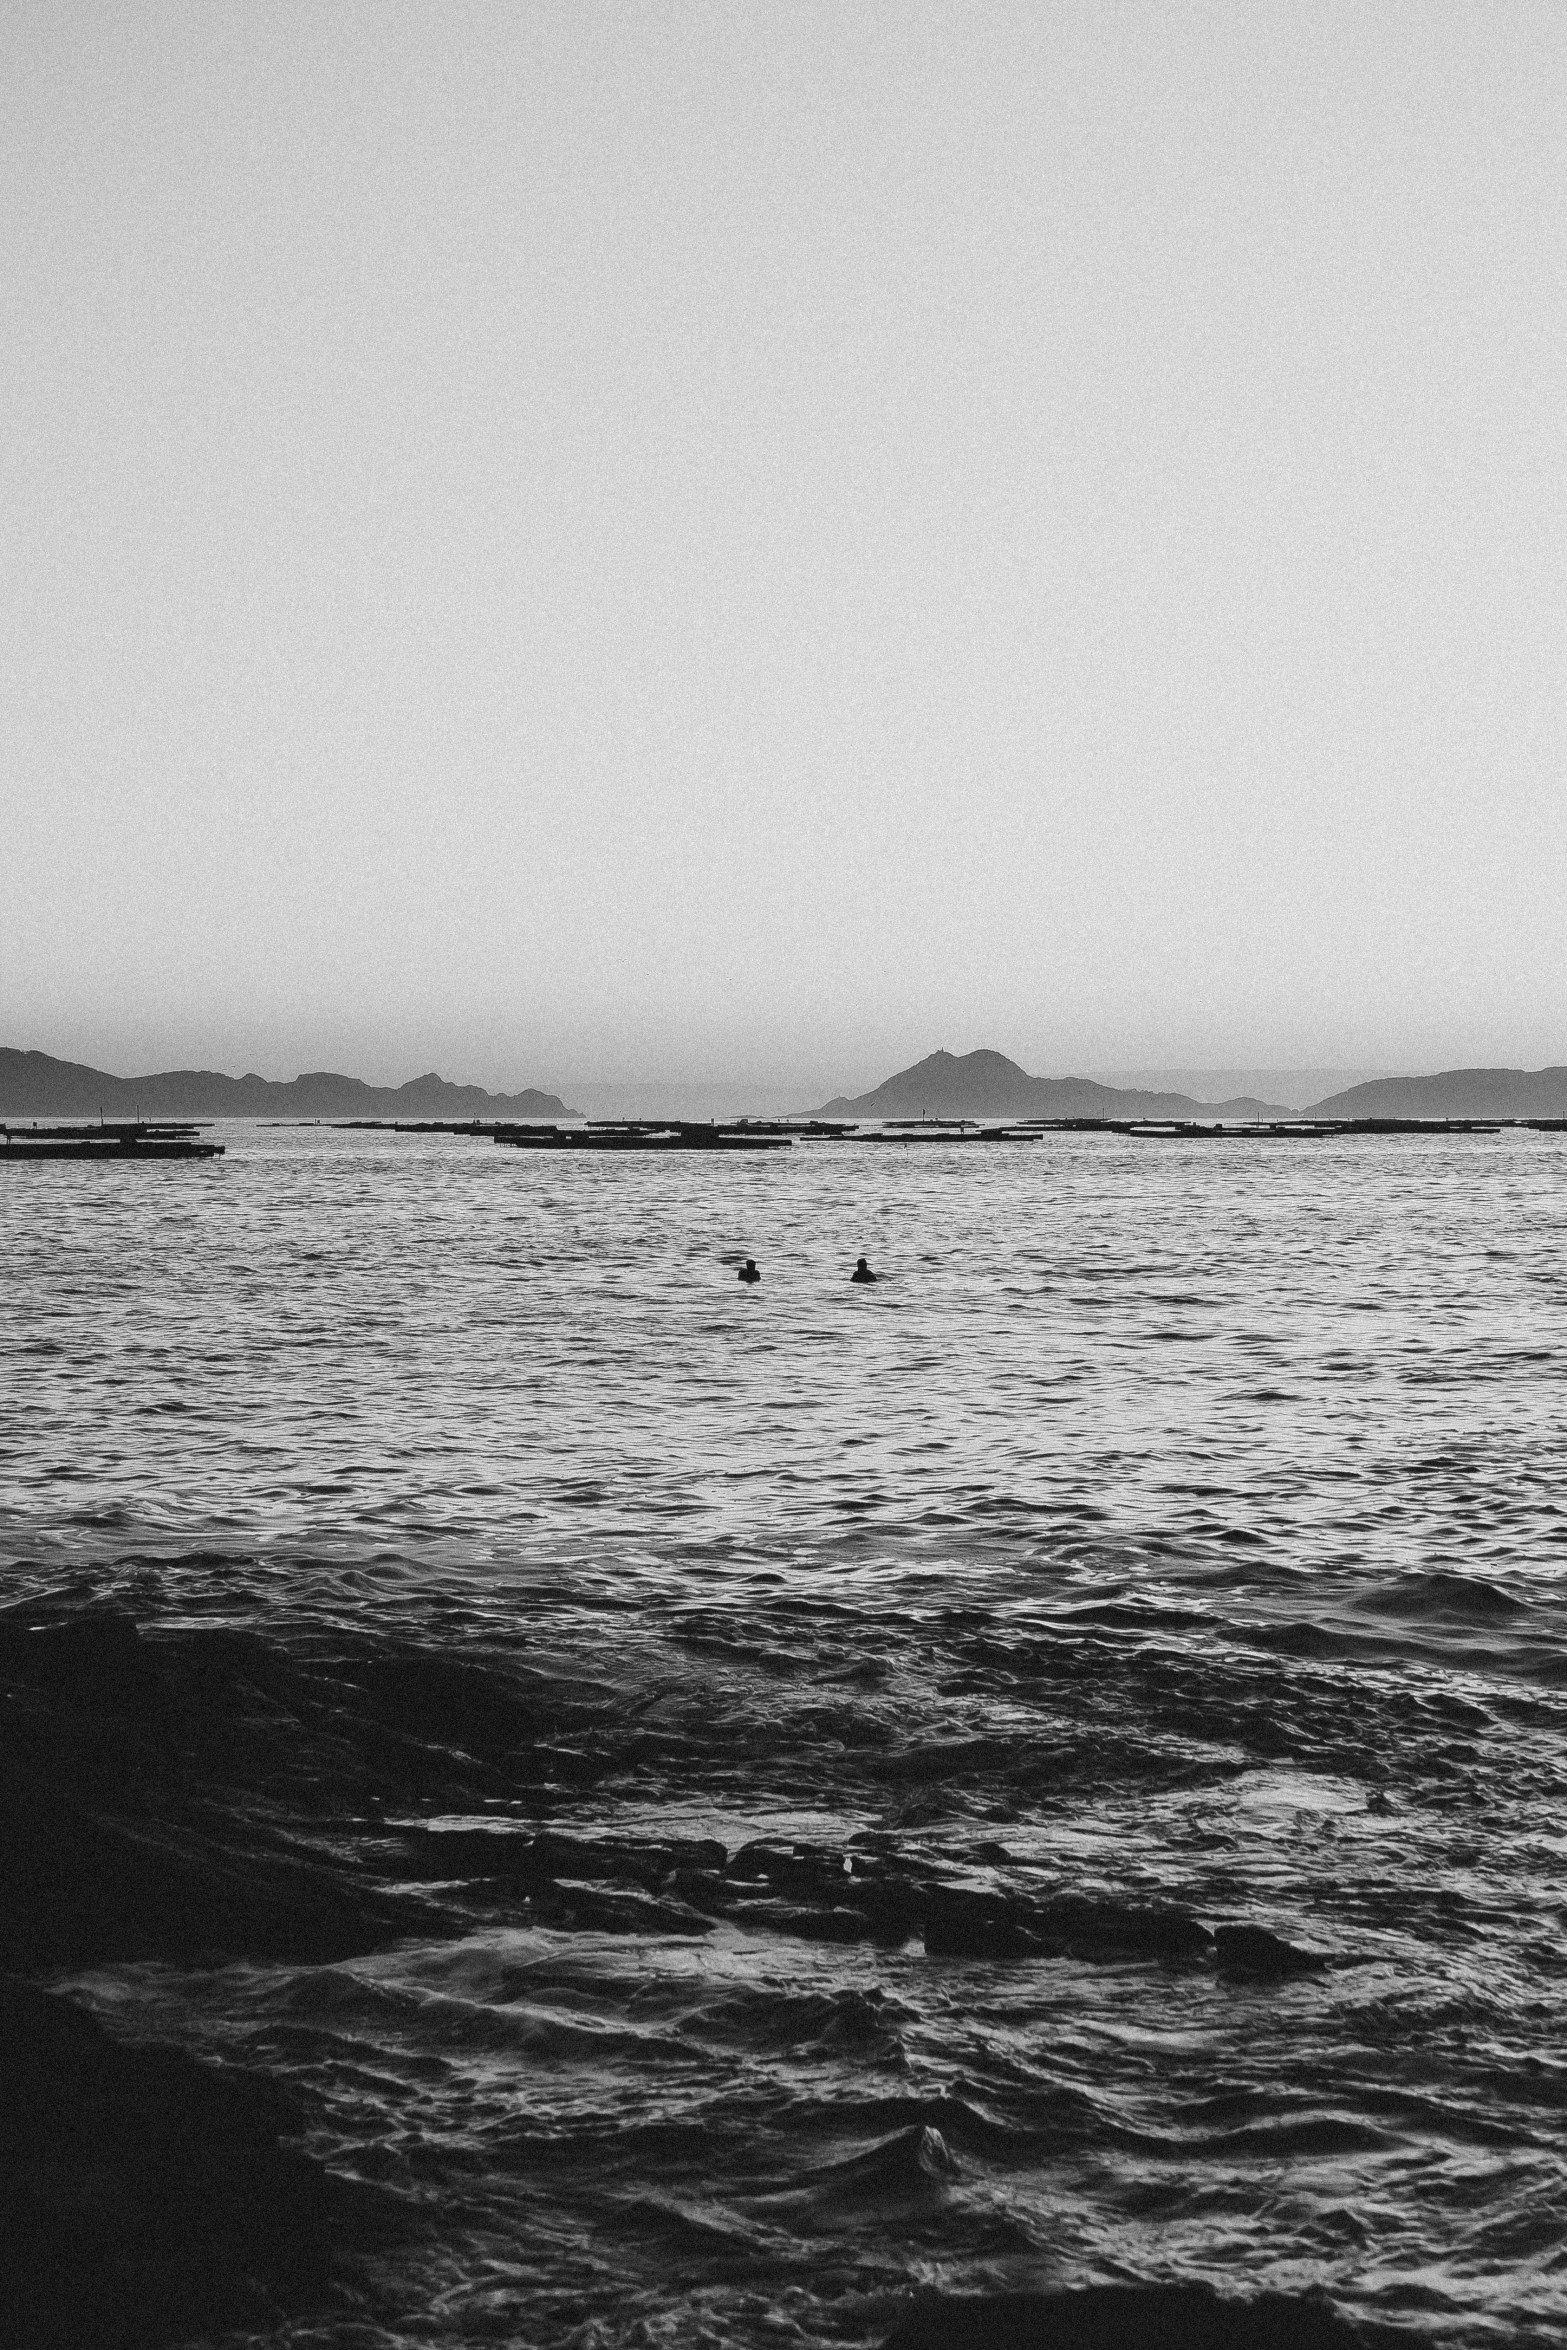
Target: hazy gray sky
568,541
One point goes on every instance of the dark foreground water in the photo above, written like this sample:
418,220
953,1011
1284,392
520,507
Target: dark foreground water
886,1711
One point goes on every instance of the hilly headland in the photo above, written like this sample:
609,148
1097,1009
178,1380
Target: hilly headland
1453,1093
34,1085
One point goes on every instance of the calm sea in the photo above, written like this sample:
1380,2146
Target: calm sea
1176,1531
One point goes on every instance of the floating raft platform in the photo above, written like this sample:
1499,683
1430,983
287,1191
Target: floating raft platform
780,1134
691,1133
754,1134
944,1130
1184,1129
137,1139
647,1135
1296,1129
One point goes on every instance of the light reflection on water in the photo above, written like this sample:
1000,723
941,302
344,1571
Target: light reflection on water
1186,1518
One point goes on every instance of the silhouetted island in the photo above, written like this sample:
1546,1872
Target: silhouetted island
988,1085
34,1085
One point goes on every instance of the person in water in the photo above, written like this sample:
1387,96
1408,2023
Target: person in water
862,1272
748,1271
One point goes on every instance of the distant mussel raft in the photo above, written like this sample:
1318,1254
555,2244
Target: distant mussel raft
759,1134
652,1135
133,1140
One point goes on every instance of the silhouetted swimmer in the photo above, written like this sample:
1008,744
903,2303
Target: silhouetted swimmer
748,1271
862,1272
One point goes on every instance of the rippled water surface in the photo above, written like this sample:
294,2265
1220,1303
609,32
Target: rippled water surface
1175,1524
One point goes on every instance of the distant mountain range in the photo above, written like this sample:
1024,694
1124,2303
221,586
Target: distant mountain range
988,1085
945,1085
32,1085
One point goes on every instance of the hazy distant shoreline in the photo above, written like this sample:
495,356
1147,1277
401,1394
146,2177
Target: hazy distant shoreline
34,1085
980,1084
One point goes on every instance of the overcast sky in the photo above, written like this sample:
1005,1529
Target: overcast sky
577,542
